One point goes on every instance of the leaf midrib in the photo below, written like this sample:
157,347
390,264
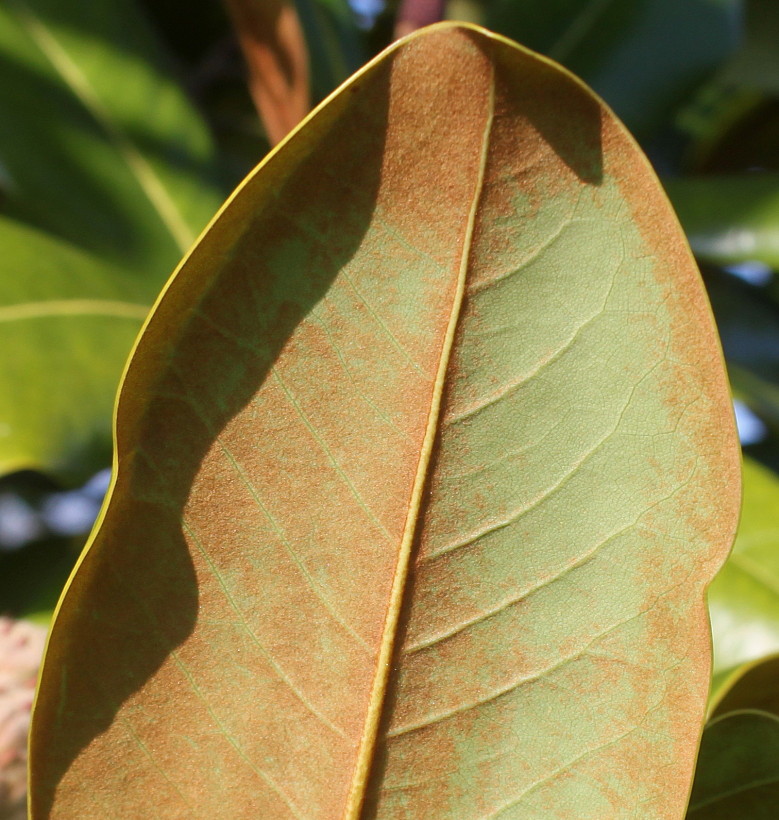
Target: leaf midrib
383,665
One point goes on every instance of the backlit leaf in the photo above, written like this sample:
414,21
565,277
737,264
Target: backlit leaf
424,461
744,597
106,178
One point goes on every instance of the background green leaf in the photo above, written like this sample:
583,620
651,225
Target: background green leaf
67,321
642,56
114,173
744,597
729,219
753,686
738,769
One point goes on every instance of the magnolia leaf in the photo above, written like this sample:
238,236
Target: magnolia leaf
754,686
424,461
106,178
744,597
98,144
738,768
67,322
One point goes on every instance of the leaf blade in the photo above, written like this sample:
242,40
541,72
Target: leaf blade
361,295
737,769
109,174
120,139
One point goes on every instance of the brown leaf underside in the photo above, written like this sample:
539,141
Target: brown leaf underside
274,48
228,626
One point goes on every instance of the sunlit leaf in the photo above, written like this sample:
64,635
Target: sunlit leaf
730,219
744,597
112,171
67,322
98,144
424,461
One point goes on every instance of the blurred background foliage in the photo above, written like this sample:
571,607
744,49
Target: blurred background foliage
125,123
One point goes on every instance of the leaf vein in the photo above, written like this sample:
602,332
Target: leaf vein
278,669
512,686
548,492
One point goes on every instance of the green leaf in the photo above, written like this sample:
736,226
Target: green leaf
738,769
744,597
334,47
99,144
67,322
642,57
424,460
753,686
104,159
729,219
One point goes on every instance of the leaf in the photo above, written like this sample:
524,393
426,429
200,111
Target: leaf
272,43
738,769
424,460
100,146
642,57
111,171
333,41
753,686
744,597
67,322
729,219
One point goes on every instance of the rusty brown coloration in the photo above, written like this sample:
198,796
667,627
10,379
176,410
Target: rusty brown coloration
276,57
424,460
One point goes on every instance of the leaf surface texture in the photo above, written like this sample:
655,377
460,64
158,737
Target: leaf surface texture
424,461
